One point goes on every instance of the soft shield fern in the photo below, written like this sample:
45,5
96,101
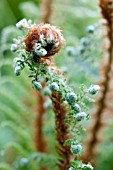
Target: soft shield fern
35,50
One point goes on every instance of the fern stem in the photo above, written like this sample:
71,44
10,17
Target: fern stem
62,132
40,141
47,10
62,128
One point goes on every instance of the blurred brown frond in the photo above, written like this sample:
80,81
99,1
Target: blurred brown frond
47,10
102,107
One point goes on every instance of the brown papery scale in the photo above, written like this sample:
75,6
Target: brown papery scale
52,36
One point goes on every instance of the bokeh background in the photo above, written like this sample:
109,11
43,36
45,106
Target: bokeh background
18,100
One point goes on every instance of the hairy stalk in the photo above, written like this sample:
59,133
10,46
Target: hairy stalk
61,126
62,132
106,67
47,10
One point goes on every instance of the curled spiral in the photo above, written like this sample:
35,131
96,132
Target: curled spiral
44,36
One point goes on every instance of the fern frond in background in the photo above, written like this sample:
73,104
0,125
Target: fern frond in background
18,103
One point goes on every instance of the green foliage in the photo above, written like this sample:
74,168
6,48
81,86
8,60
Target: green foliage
17,101
34,11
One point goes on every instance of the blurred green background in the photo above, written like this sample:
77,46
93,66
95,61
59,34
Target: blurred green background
18,104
